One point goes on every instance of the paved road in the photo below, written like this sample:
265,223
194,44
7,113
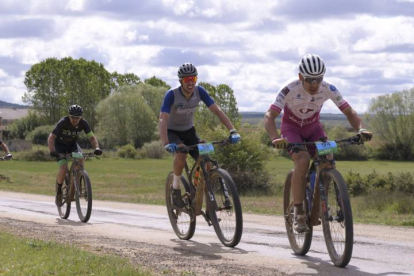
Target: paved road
378,250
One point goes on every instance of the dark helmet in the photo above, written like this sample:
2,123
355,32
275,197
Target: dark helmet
312,66
75,110
187,69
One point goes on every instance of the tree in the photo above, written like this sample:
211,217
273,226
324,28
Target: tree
154,81
392,119
127,79
224,97
125,118
53,85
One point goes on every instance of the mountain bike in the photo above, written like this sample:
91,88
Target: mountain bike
77,187
326,201
222,203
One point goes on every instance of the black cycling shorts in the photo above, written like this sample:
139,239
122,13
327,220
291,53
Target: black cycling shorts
188,137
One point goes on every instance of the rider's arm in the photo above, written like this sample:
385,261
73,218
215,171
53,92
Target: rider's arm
94,140
353,118
270,124
162,127
221,115
51,142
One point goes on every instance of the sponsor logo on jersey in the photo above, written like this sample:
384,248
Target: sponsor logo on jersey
182,111
306,110
332,87
313,99
298,96
339,98
285,91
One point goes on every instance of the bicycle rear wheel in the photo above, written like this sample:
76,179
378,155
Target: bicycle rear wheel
83,195
180,221
64,210
226,212
299,242
338,226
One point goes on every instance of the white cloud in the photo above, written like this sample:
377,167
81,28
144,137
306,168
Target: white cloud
254,47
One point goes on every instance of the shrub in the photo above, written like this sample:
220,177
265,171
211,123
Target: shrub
39,155
244,161
153,150
40,134
127,151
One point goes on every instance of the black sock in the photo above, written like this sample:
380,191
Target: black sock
59,187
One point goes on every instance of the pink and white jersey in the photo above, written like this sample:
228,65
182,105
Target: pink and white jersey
302,109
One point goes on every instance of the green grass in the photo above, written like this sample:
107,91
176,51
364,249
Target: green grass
21,256
143,181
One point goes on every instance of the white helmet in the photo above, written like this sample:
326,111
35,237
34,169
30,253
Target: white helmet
311,65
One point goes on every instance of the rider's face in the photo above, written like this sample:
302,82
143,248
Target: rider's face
74,120
188,84
312,87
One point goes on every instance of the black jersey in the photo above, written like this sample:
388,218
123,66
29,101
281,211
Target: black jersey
67,133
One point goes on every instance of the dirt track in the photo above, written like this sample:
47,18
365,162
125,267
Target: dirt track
143,234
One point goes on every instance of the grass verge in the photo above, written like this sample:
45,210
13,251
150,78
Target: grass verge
21,256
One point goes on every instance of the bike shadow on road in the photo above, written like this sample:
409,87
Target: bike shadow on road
209,251
323,267
73,222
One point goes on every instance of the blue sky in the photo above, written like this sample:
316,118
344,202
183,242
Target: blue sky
252,46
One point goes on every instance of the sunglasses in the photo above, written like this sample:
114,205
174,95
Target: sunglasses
314,80
75,117
190,78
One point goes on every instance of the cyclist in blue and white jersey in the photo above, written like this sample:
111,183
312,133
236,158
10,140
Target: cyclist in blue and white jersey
176,125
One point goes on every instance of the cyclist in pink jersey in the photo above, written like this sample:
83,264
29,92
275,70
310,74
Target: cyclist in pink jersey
301,101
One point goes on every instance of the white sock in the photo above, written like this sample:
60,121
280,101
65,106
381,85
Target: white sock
176,181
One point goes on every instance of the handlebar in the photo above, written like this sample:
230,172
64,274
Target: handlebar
354,140
185,149
84,155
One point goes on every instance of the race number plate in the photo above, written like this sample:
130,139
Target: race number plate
326,147
205,149
77,155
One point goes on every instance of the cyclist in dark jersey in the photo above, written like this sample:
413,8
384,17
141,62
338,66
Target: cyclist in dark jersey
6,150
176,121
301,100
63,139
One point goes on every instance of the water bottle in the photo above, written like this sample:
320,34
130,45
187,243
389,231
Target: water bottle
196,176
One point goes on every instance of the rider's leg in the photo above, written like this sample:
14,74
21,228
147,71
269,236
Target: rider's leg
178,166
59,181
301,161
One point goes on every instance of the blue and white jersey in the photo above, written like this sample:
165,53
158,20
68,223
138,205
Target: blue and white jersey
182,110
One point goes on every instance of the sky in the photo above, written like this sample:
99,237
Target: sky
252,46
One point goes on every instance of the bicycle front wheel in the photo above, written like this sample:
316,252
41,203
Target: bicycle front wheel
64,210
299,242
181,222
337,222
83,195
226,211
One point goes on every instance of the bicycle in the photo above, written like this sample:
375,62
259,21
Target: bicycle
223,209
77,188
329,196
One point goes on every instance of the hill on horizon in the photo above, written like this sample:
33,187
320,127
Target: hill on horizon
4,104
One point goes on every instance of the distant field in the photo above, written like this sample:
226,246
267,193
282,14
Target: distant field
143,181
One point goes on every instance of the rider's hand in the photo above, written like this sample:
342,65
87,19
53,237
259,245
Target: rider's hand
97,151
54,154
234,136
280,143
171,148
365,135
8,156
